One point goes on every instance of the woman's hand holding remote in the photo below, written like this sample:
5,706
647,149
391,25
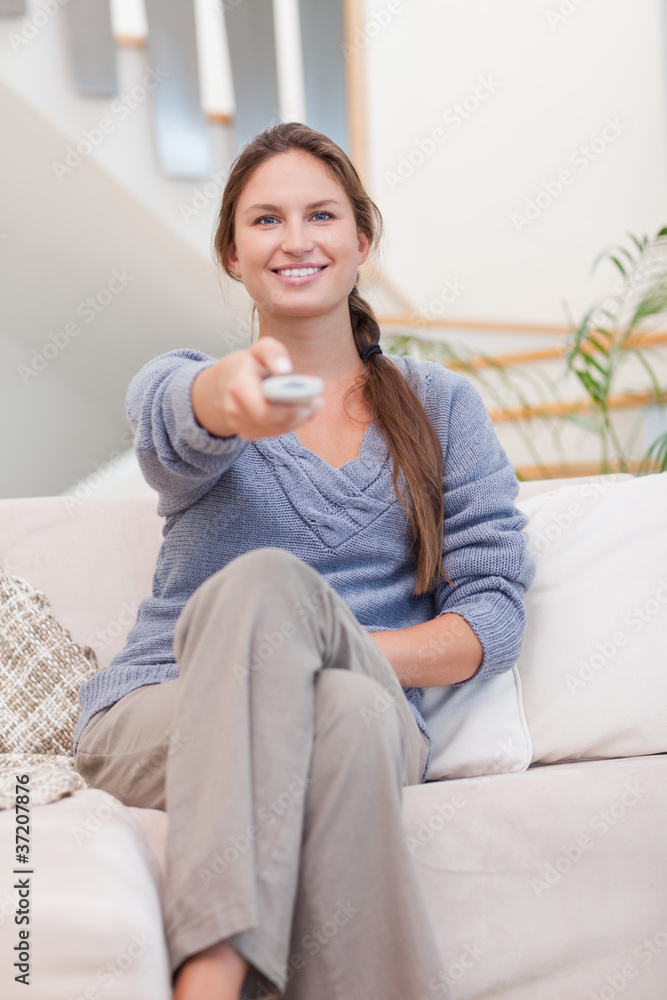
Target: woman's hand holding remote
227,397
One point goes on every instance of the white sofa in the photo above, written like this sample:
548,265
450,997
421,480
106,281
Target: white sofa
547,882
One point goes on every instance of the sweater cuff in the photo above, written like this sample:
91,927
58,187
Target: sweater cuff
179,394
500,634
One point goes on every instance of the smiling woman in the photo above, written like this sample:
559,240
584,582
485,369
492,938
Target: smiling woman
300,606
327,222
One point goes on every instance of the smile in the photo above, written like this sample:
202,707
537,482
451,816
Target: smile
299,275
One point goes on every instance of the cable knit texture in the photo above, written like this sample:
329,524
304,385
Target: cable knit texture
222,497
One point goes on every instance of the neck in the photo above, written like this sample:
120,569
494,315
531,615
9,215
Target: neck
321,345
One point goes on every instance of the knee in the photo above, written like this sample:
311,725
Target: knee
358,709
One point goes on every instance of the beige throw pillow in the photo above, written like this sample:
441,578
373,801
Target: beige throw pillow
41,671
51,777
593,663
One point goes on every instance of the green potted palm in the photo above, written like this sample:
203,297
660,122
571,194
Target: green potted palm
612,331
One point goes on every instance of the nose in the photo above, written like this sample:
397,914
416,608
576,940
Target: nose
296,239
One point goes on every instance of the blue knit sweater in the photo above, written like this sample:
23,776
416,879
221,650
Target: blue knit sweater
222,497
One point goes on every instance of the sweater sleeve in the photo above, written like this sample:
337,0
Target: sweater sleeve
485,549
178,457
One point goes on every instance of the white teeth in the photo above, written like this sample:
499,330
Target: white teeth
295,272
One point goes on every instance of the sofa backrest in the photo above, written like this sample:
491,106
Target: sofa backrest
95,558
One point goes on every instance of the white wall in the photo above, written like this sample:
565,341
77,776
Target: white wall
451,200
555,87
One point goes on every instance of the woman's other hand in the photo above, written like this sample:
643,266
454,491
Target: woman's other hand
227,397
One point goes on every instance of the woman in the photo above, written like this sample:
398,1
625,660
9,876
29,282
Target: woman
268,696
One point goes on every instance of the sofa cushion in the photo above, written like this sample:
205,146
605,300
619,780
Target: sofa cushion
94,559
481,728
41,670
546,885
593,664
47,777
96,928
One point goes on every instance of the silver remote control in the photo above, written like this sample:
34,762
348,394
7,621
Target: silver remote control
291,388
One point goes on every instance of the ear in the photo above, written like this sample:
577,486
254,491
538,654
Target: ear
363,245
232,260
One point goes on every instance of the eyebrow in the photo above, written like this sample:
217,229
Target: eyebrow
276,208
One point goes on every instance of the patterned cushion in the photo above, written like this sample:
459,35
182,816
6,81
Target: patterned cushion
52,776
41,670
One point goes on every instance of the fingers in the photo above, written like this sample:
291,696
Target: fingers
273,355
256,416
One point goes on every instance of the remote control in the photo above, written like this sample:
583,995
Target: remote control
291,388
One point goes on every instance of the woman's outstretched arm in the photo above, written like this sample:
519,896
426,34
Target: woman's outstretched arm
193,415
178,457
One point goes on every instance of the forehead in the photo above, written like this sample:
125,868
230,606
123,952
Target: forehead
289,177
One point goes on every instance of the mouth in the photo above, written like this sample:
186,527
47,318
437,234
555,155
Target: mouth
299,279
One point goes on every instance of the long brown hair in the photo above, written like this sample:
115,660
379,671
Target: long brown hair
412,442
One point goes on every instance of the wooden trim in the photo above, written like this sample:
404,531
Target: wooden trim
355,75
472,324
549,354
532,472
626,401
219,116
506,360
131,41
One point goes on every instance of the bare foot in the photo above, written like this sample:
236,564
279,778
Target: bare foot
217,973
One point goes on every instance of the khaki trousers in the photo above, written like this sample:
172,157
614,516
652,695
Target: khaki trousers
279,753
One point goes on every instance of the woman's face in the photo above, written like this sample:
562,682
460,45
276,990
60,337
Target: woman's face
293,214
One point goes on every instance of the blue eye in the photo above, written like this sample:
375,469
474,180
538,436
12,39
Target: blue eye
273,218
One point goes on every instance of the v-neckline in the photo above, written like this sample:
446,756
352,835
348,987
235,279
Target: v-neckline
372,448
359,474
298,446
